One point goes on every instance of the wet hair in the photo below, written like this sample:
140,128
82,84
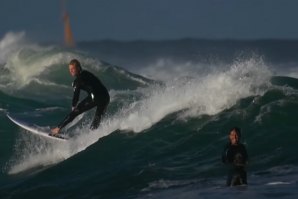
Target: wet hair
76,63
237,130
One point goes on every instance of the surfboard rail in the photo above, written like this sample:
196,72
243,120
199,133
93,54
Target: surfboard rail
37,130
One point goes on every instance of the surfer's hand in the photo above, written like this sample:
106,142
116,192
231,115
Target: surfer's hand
55,131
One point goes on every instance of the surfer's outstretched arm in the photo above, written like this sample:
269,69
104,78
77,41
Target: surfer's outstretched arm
70,117
82,107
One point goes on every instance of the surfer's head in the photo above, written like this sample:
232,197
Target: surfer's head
74,67
235,135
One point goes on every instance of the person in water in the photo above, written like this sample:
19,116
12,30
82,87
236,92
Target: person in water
98,96
235,156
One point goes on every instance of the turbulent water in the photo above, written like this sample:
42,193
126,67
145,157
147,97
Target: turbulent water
172,104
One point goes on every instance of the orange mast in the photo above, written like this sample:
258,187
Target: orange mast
68,36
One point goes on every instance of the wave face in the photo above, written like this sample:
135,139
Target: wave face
165,127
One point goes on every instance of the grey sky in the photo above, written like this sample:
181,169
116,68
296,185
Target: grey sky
152,19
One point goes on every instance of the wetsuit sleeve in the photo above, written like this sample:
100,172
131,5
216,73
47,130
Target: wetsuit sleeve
64,122
76,93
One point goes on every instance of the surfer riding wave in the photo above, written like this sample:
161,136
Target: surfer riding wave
98,96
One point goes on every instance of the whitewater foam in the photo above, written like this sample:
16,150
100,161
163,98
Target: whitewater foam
10,43
197,96
22,61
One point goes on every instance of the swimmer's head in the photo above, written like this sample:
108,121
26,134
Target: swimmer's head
235,135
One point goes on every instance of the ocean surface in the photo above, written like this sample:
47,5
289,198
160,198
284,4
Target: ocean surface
172,105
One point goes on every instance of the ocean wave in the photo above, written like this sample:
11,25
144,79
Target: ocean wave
30,67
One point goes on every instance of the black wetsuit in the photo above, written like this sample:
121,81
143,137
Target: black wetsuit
98,96
235,156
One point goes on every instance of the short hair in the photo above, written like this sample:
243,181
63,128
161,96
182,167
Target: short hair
76,63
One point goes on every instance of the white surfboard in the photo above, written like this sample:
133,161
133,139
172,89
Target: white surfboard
37,130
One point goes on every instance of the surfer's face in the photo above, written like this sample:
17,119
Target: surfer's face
233,137
73,70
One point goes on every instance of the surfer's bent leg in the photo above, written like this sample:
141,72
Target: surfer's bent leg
85,105
101,109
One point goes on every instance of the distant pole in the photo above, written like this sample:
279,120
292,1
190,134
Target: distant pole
68,36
